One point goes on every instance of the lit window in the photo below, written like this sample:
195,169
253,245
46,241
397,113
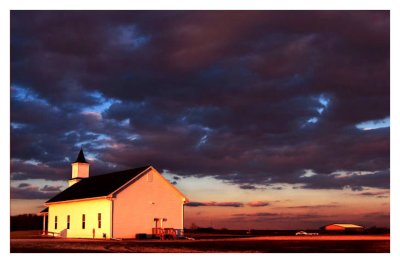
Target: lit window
55,222
83,221
68,221
99,220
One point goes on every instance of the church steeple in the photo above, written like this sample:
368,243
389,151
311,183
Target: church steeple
80,169
81,157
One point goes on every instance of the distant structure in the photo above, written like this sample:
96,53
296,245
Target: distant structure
343,228
122,204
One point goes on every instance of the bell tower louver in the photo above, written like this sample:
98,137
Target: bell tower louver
80,169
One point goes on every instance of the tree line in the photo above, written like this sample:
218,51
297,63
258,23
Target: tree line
26,222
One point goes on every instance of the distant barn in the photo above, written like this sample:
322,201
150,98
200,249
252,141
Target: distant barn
343,228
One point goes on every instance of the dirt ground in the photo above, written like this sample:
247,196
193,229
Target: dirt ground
260,244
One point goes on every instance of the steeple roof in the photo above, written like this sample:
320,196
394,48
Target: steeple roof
81,157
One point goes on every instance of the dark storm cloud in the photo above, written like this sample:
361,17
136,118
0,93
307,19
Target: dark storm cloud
50,188
375,193
229,204
221,204
353,181
262,214
379,194
313,206
33,192
250,97
30,191
21,170
248,187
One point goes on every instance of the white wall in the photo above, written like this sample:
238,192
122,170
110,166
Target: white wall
90,208
136,206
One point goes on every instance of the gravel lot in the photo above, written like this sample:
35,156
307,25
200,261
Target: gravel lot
261,244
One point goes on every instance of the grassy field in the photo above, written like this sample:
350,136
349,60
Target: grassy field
30,242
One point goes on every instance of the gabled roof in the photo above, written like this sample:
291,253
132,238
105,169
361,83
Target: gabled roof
97,186
43,212
81,157
348,225
344,226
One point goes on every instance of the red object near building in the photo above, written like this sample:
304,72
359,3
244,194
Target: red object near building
343,227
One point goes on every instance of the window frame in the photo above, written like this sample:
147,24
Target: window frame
98,220
83,221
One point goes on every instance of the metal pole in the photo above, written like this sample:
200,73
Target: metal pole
44,224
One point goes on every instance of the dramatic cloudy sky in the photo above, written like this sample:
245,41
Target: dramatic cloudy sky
264,119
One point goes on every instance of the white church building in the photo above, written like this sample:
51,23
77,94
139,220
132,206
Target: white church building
115,205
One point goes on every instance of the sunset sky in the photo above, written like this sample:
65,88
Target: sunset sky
263,119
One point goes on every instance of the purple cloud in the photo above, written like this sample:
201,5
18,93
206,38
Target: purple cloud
255,102
221,204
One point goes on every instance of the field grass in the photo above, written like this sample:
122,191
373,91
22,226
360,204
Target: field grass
31,242
25,234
